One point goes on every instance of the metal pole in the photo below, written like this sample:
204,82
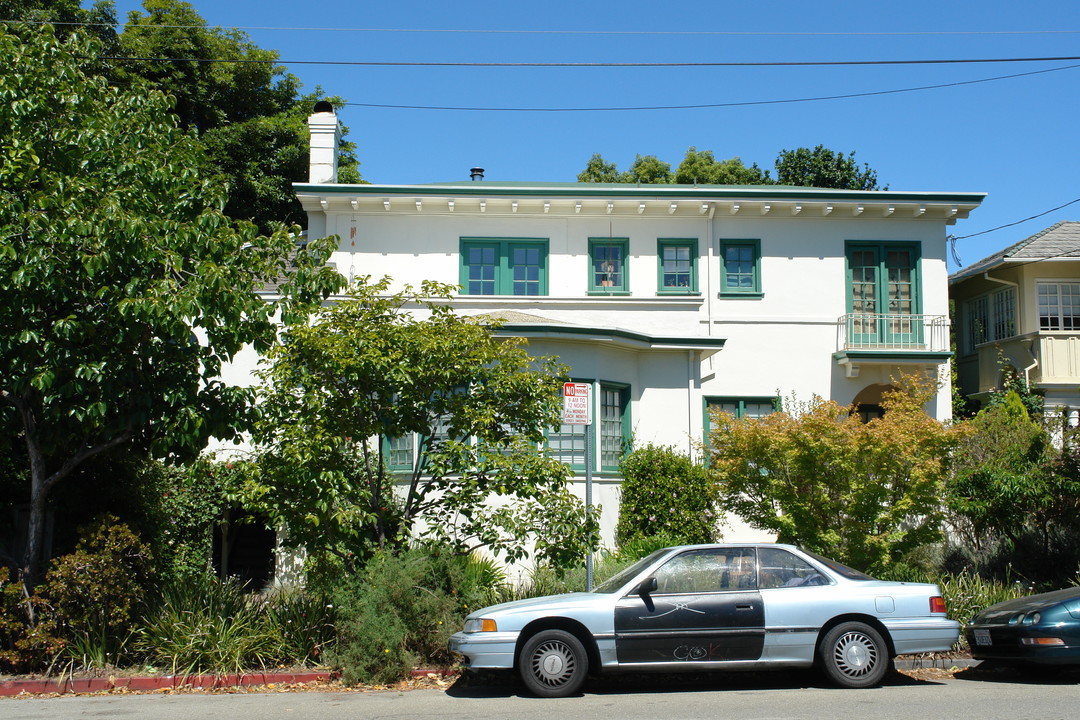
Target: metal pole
588,501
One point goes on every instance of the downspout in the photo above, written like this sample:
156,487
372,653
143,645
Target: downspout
1015,285
690,375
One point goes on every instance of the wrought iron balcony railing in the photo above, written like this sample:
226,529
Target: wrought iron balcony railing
890,331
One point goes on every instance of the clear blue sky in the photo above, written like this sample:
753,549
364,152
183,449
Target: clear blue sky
1017,139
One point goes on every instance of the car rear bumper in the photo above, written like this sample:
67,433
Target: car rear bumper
920,635
485,650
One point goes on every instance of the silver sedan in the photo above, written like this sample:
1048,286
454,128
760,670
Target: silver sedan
712,607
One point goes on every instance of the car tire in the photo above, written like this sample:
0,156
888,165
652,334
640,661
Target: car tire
854,655
553,663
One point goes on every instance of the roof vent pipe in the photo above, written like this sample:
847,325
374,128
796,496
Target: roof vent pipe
477,173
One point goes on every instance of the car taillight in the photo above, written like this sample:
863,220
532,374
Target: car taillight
937,604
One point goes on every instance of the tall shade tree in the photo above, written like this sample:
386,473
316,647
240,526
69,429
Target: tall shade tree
864,493
123,287
465,413
824,168
246,109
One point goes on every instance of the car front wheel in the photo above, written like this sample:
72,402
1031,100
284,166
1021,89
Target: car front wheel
854,655
553,663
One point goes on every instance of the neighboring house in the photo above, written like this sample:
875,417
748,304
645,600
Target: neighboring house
669,299
1021,306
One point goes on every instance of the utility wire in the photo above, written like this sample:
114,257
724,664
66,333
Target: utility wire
474,31
767,63
1002,227
699,106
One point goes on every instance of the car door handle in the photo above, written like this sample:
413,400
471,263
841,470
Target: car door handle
744,607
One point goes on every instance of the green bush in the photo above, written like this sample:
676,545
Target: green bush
664,492
25,645
93,593
402,609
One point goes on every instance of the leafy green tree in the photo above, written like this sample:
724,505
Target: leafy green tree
701,168
665,492
1011,479
647,170
866,494
246,109
824,168
123,288
599,170
68,16
246,81
366,371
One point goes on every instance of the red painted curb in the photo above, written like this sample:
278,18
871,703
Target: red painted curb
84,685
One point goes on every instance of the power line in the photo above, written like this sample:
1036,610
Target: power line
476,31
746,103
1002,227
767,63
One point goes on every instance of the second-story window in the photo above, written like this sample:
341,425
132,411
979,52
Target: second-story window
740,273
607,266
1059,305
677,266
989,317
504,266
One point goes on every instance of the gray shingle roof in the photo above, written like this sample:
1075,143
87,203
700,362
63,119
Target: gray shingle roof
1057,241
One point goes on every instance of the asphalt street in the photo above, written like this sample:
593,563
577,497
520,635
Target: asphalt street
776,696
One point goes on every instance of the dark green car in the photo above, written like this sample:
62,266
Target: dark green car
1036,629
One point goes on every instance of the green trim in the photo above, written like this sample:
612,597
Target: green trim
898,356
764,192
691,286
754,289
501,279
623,273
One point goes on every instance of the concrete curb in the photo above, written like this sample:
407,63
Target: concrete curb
939,663
63,685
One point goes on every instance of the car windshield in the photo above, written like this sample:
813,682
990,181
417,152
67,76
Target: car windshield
839,569
612,584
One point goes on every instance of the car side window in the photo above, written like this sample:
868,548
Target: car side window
712,570
779,568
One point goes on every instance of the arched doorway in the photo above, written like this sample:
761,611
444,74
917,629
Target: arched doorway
868,402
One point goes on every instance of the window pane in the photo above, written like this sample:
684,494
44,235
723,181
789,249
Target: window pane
739,267
400,451
525,262
779,568
611,425
568,444
677,266
700,571
608,266
481,262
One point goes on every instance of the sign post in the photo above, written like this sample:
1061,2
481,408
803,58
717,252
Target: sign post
577,410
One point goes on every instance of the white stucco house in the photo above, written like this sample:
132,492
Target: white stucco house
668,299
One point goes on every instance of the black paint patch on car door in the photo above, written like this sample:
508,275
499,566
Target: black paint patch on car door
704,606
698,627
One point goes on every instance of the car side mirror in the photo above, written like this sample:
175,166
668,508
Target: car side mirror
647,586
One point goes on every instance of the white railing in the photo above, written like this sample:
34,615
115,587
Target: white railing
892,331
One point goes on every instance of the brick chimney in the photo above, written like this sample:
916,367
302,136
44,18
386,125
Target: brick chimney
325,135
